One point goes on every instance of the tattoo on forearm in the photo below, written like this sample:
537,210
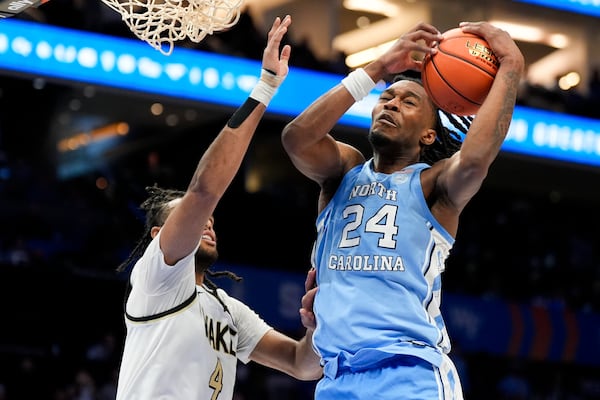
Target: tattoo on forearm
512,81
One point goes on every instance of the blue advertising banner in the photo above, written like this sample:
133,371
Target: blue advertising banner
586,7
519,330
547,134
83,57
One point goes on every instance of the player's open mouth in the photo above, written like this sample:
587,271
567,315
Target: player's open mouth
208,239
388,120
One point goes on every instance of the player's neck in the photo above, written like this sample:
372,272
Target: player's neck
388,165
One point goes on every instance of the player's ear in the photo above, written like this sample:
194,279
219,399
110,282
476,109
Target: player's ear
154,231
428,137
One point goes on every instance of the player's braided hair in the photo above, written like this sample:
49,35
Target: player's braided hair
213,288
448,141
157,208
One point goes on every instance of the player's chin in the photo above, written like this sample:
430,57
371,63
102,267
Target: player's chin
378,138
207,253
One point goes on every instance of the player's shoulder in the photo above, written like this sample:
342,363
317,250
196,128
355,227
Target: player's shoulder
434,170
219,297
233,303
351,156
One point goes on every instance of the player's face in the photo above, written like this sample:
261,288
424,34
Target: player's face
207,252
401,116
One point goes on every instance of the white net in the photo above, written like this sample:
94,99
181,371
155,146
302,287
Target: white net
163,22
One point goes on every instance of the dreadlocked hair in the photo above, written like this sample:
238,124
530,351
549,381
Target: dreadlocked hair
156,207
219,274
448,141
210,285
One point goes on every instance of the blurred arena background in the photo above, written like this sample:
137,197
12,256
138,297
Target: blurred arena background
522,287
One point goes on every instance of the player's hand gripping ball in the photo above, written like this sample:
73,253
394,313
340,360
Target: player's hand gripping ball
459,76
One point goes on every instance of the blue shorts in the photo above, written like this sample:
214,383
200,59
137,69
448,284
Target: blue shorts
405,377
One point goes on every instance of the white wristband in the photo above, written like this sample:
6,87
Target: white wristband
266,87
358,83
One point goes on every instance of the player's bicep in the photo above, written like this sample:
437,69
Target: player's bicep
459,180
323,160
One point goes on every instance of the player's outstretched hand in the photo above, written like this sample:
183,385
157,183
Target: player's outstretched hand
274,61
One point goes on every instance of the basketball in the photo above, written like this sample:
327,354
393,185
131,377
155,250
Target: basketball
459,76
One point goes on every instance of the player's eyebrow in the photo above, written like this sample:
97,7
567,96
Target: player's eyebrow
403,93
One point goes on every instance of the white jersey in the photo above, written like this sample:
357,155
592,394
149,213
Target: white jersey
181,343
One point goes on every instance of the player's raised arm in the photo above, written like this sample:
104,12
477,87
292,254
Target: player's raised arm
220,163
466,170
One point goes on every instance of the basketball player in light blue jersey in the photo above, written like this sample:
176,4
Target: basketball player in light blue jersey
386,225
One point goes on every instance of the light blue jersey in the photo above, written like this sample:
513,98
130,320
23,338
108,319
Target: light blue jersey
379,254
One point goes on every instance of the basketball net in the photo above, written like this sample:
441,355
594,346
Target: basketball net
163,22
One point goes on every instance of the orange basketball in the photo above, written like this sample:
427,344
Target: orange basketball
459,76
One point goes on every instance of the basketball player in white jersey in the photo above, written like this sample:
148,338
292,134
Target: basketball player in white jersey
185,337
386,225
